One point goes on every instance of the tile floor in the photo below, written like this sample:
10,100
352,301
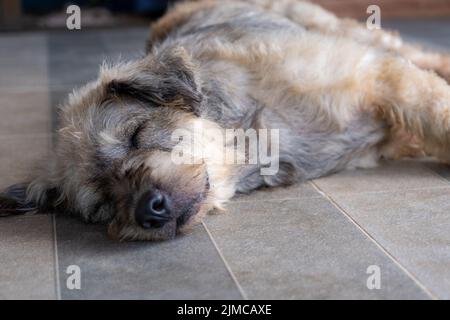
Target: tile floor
309,241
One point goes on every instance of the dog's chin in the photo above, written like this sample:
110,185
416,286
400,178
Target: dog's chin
181,224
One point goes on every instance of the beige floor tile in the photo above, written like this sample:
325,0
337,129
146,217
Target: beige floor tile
20,154
298,191
303,249
27,268
24,113
23,62
414,226
188,267
390,176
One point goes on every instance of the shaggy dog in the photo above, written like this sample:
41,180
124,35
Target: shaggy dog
336,95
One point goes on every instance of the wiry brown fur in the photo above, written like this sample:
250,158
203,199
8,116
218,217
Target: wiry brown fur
341,96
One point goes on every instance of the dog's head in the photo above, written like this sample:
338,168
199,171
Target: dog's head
114,158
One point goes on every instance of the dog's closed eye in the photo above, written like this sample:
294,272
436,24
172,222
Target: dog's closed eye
134,138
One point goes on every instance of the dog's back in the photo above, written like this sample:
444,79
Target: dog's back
252,59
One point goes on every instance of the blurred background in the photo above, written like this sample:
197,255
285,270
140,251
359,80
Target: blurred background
27,14
389,8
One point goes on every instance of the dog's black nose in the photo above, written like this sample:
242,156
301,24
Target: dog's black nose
152,210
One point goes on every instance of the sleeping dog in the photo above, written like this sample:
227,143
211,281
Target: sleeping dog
144,148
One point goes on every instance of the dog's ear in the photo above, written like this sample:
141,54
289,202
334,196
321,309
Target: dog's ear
169,80
34,197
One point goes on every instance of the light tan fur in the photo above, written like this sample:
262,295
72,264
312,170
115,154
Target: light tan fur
402,141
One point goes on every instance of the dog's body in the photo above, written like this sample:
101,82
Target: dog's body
341,97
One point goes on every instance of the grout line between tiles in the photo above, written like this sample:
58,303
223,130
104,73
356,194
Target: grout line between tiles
382,248
56,258
50,147
227,266
385,191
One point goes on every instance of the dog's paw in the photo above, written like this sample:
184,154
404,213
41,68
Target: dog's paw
14,202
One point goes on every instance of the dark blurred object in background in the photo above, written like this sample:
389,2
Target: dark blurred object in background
31,14
115,6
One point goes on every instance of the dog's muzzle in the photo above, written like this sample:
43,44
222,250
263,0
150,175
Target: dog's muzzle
153,210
